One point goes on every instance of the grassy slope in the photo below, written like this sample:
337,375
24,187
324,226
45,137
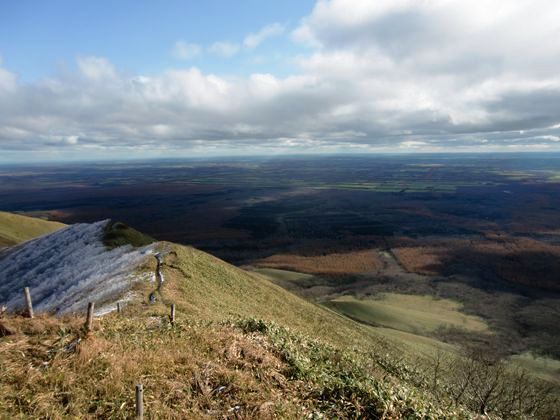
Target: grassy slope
398,315
408,313
543,367
420,345
218,360
282,275
228,292
15,228
248,369
118,234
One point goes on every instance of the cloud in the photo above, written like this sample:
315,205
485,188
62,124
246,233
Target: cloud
224,48
379,76
96,68
412,144
185,51
550,138
8,80
253,40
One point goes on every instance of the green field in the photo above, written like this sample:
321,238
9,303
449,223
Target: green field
15,228
292,281
282,275
404,185
414,343
420,315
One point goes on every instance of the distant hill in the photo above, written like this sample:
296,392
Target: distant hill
15,228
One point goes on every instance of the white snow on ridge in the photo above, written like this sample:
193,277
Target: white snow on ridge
68,268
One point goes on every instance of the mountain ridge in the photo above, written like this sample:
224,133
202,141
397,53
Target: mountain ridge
240,346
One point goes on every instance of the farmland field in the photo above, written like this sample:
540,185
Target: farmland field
336,263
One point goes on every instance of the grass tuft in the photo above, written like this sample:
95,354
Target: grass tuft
118,234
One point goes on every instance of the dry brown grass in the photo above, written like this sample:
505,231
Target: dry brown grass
421,260
41,324
51,370
330,264
193,370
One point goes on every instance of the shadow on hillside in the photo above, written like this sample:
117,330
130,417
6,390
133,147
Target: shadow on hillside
523,271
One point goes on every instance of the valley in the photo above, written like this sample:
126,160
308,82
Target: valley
482,230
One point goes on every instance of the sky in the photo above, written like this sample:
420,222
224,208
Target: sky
136,79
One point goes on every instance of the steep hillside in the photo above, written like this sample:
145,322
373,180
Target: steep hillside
15,228
240,347
207,288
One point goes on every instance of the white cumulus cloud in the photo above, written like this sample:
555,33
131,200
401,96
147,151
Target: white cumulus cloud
447,73
253,40
185,51
96,68
224,48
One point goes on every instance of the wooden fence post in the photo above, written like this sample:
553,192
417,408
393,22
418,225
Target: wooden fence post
119,309
28,302
172,315
139,402
89,319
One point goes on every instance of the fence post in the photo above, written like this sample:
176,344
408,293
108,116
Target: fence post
139,402
172,315
119,309
28,302
89,319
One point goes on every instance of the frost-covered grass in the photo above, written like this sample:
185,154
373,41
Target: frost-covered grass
67,268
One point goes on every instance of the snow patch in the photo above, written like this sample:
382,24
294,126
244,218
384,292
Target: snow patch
68,268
